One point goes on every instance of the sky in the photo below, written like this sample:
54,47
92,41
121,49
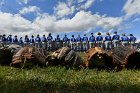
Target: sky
32,17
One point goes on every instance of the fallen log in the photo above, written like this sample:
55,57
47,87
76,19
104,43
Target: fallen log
29,56
64,57
5,56
126,57
98,58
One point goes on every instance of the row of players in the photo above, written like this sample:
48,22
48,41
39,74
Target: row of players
75,43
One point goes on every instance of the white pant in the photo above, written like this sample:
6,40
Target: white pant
132,44
85,46
124,43
65,44
49,45
79,46
26,43
91,44
73,45
57,45
44,45
99,44
37,45
115,43
107,44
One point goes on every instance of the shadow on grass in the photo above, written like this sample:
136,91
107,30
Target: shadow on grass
35,86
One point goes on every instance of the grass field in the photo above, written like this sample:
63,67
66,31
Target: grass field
62,80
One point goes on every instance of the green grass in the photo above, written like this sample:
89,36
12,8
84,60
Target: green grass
62,80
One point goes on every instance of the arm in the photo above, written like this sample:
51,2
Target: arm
113,37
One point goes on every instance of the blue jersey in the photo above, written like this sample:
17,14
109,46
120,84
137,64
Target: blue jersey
92,39
78,39
20,41
99,38
44,39
4,39
73,39
116,37
57,39
108,38
49,38
65,39
26,40
85,39
15,40
9,39
125,38
37,39
32,40
132,39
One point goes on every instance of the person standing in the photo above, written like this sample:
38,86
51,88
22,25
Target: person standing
4,40
73,43
26,40
15,39
115,39
37,42
91,41
132,41
20,42
124,40
85,42
9,39
79,43
57,42
49,42
44,42
99,40
65,41
108,41
32,41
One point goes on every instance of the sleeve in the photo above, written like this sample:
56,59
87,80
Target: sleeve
128,39
101,37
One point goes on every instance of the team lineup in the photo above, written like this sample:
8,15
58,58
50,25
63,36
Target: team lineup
75,43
